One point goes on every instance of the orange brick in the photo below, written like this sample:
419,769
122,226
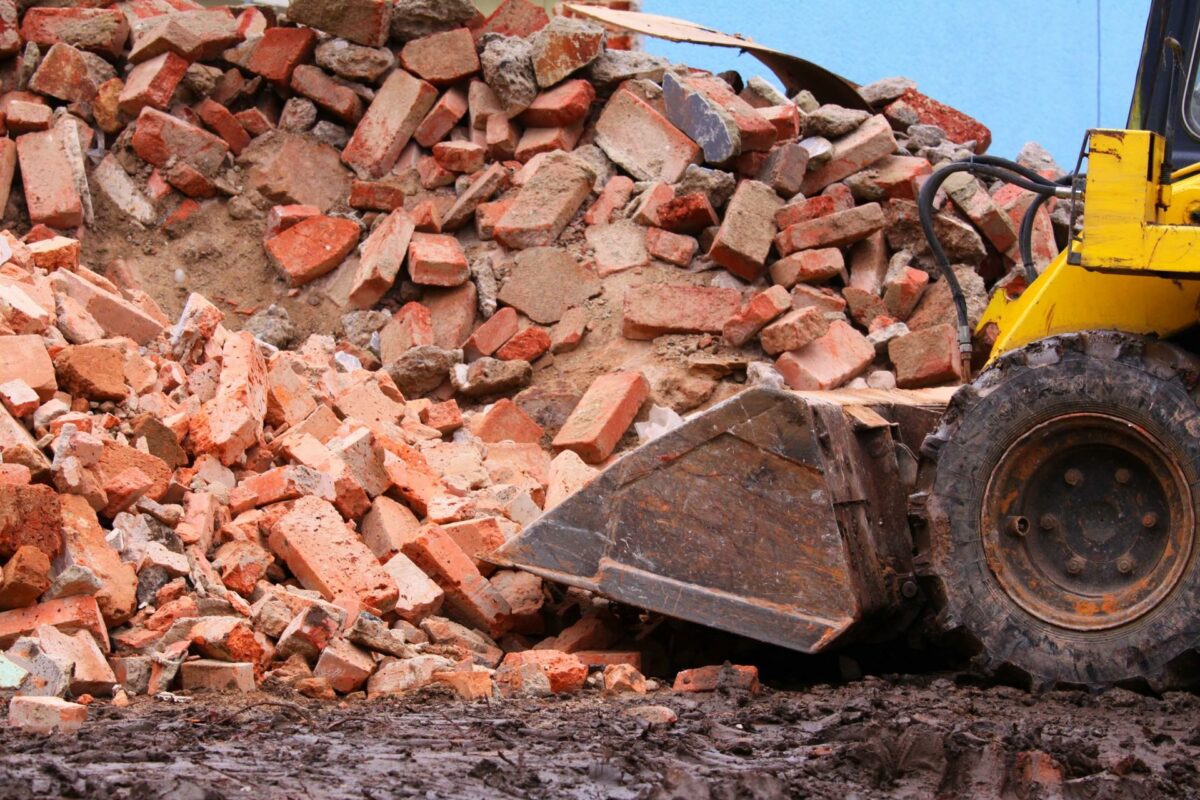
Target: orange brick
603,415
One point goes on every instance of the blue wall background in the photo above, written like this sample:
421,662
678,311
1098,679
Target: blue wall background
1025,68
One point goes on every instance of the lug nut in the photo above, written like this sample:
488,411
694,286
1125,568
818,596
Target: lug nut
1048,522
1123,475
1125,565
1149,519
1075,565
1073,477
1017,526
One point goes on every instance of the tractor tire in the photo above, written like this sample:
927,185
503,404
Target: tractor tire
1062,494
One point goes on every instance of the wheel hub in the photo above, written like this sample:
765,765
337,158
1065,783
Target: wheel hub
1087,521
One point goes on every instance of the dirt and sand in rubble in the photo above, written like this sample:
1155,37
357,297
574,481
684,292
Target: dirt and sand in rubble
895,737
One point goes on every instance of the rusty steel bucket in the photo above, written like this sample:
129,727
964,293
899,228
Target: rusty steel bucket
777,515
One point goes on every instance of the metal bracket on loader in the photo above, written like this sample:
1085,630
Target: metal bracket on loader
777,515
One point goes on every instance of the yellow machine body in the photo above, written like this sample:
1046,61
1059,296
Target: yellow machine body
1136,265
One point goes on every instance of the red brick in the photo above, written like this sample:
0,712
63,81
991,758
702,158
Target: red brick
433,175
380,259
651,310
641,140
927,357
502,138
650,201
450,108
903,291
328,557
152,83
453,313
805,210
840,355
565,104
161,137
834,230
896,176
443,417
710,679
602,416
958,126
488,215
30,515
690,213
755,314
217,117
365,22
442,58
784,168
254,121
794,330
808,266
464,157
68,614
340,101
25,117
973,200
504,421
411,326
869,263
1015,202
46,714
387,526
312,247
426,217
469,597
491,335
562,47
280,218
376,195
194,33
415,481
26,358
50,192
514,18
564,671
206,674
544,206
855,151
535,141
280,51
613,197
744,240
437,260
70,75
785,118
97,30
671,247
528,345
388,124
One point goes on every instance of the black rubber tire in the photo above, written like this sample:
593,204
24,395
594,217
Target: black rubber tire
1130,377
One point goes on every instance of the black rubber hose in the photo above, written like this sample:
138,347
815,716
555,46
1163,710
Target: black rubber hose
983,165
1026,235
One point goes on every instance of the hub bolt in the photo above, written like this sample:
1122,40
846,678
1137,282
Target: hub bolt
1075,565
1073,477
1017,526
1048,522
1125,565
1149,519
1123,475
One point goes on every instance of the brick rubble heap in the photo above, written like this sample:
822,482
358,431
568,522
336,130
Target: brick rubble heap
184,504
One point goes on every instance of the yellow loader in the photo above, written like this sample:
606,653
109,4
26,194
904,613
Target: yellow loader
1047,509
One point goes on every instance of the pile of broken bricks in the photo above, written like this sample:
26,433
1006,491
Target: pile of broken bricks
188,505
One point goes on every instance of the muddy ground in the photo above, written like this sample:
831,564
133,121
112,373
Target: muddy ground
932,736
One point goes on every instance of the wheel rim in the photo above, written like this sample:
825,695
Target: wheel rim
1087,522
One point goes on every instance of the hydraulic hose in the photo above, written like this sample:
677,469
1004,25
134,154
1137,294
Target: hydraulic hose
1008,171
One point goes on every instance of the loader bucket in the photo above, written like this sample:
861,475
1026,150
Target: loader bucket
776,515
